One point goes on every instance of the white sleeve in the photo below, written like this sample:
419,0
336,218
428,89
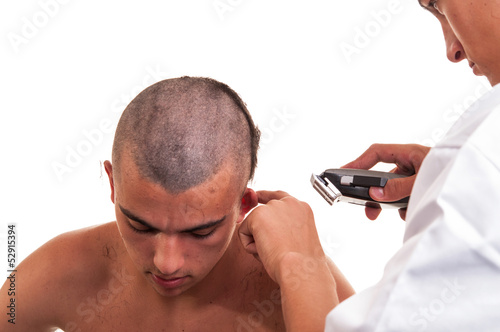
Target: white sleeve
446,277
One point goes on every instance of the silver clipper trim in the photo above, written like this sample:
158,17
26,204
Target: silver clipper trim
326,189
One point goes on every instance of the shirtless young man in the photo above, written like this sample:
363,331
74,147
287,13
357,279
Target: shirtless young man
183,154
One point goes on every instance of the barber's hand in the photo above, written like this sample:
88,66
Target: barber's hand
282,234
282,225
407,157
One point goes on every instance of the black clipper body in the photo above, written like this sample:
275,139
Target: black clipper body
352,186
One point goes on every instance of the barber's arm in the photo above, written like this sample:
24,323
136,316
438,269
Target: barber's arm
283,235
406,157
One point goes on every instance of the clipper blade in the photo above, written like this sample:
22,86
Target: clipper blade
326,189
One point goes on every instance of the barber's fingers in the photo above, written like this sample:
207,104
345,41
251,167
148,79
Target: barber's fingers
245,230
387,153
265,196
394,190
247,239
402,213
372,213
407,157
250,225
282,225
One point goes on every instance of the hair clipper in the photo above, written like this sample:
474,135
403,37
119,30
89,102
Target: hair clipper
352,186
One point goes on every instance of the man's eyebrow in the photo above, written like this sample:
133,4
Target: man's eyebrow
133,217
204,226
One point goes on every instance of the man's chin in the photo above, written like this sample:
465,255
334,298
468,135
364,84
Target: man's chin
476,70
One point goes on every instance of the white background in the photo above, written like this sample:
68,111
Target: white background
69,66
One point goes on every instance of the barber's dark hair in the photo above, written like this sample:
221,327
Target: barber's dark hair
179,132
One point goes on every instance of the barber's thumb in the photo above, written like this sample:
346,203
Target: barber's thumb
394,190
377,193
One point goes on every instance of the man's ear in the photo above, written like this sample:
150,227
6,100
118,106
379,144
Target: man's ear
248,202
109,170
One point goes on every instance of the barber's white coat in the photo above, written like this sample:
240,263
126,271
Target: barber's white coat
446,277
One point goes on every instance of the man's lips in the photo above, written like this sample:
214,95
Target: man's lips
475,69
169,282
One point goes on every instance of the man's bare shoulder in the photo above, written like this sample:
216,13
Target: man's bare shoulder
74,254
65,270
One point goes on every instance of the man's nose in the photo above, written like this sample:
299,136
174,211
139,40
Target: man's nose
169,255
454,49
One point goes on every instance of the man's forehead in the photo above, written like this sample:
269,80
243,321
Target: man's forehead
212,199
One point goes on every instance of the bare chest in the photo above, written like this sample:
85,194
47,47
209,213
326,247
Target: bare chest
251,307
264,315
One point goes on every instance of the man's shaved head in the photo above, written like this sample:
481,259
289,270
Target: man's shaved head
179,132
